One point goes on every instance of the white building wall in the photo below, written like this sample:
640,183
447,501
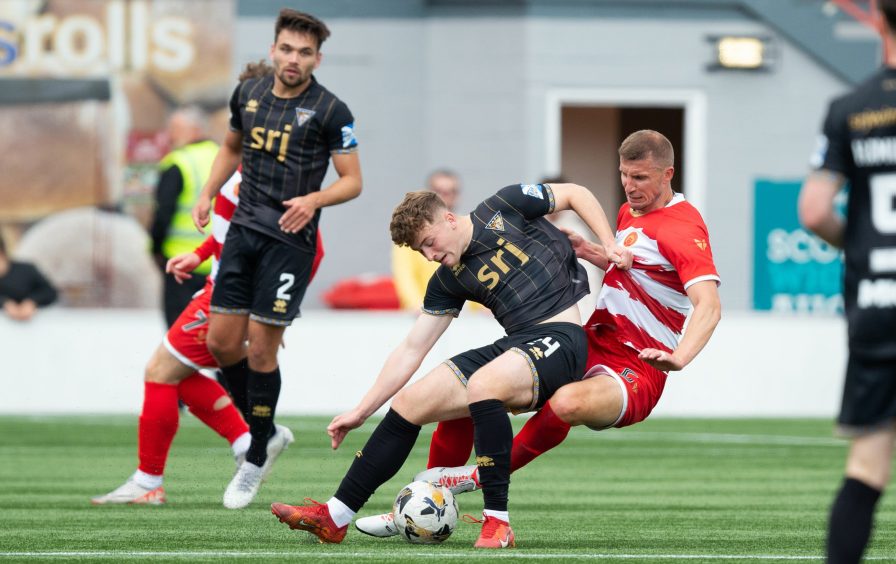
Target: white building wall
91,361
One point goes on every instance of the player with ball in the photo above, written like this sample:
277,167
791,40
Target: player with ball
508,257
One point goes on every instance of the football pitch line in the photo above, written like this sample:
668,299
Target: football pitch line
378,555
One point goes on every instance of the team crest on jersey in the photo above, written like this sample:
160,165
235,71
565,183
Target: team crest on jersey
252,106
630,239
701,244
303,115
496,223
533,190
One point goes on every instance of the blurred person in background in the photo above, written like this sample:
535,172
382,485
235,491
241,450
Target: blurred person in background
857,147
182,173
285,128
22,287
410,270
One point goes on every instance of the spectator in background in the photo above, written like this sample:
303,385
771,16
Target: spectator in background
856,148
183,172
410,270
22,288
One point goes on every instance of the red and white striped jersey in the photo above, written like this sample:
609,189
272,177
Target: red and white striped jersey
225,204
647,306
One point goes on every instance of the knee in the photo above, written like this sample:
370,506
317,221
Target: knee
405,404
261,357
479,389
155,372
218,346
568,407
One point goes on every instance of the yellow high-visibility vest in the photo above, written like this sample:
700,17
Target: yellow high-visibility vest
195,164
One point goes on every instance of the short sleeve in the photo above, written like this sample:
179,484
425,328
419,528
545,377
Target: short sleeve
340,130
686,246
236,117
439,298
832,150
529,200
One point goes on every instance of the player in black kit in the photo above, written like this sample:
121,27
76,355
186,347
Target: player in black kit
285,128
508,257
858,147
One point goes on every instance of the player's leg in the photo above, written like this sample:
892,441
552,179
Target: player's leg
438,395
451,443
868,468
278,282
868,415
156,429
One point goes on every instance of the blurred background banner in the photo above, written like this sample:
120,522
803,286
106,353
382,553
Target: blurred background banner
793,270
86,87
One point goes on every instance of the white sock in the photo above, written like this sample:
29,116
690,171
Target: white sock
339,512
241,444
502,515
148,481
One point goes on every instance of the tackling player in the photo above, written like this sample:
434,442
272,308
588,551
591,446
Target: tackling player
635,334
508,257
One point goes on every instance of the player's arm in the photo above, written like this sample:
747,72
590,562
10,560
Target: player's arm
225,164
301,209
395,373
582,201
584,249
816,205
704,296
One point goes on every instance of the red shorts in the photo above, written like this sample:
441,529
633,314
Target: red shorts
186,338
642,385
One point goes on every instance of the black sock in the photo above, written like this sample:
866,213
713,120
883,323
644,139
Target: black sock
235,378
851,519
493,438
380,459
263,392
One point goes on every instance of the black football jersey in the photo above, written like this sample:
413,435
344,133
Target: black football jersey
859,142
287,144
518,265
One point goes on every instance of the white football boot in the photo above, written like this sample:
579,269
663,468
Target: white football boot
132,492
281,440
382,525
458,479
246,482
244,486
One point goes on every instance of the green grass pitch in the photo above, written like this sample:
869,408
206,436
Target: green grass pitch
666,490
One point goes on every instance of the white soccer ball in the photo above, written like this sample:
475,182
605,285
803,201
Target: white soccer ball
425,513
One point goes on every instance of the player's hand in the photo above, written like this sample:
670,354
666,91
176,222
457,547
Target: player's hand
299,211
622,257
182,265
341,425
661,360
200,212
576,240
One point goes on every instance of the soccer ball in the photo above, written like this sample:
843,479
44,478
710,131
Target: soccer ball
425,513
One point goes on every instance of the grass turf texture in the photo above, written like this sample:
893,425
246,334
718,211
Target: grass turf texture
666,490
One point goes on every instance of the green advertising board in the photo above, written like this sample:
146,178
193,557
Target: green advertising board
793,270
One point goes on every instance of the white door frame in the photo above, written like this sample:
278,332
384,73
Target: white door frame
692,101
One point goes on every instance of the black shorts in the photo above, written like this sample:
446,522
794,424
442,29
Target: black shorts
556,352
260,276
869,395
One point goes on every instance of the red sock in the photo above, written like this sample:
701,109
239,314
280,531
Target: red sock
158,424
452,443
209,402
542,432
